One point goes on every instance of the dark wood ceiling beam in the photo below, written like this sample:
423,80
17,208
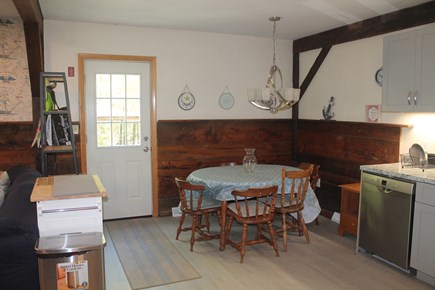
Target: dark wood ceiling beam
304,86
314,68
31,15
394,21
29,10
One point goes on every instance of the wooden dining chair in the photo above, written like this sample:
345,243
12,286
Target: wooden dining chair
291,200
315,176
194,203
254,206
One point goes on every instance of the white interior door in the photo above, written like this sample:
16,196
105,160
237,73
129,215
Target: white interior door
118,134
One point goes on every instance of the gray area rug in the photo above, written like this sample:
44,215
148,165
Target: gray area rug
147,256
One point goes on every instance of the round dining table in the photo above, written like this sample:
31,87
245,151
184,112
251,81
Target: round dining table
220,181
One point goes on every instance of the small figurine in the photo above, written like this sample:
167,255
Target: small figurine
327,113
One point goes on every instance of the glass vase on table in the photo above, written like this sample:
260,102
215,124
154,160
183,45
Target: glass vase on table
249,161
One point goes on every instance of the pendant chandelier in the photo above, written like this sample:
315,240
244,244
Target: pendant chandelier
273,97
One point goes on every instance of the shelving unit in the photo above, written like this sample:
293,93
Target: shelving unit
47,80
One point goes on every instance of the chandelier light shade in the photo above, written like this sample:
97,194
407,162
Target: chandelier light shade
273,97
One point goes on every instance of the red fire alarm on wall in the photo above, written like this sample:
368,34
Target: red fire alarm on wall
70,71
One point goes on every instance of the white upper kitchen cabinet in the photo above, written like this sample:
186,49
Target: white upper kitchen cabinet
409,71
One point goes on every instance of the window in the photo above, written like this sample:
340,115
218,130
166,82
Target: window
118,106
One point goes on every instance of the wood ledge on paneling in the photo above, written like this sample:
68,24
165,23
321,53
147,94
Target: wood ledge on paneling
358,123
221,120
291,120
16,123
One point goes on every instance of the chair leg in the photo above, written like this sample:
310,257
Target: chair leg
192,237
272,238
228,229
259,228
207,222
183,216
284,232
243,246
303,227
199,224
219,217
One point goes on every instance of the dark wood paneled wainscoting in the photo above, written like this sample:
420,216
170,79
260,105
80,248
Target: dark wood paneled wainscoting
184,146
340,148
15,149
15,142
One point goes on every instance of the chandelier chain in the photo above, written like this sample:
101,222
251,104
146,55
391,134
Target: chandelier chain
274,40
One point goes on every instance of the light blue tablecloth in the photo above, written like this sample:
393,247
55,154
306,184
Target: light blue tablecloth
221,181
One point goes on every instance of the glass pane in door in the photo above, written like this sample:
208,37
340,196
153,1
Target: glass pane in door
118,110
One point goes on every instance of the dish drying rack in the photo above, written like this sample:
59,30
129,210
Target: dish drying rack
406,160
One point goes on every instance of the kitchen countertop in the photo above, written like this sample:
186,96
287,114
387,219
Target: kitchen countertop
396,170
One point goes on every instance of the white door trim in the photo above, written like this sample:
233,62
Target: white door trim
153,113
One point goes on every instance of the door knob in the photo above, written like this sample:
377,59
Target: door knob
146,149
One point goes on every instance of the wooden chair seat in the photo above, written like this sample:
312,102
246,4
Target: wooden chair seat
195,204
253,206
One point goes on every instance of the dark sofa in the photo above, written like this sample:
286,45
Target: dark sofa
19,232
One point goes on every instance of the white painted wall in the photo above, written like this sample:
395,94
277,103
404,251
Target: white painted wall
348,74
209,62
206,62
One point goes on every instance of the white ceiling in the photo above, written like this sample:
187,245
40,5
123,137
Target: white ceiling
299,18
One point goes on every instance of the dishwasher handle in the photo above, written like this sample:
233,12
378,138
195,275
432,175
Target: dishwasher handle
387,185
384,189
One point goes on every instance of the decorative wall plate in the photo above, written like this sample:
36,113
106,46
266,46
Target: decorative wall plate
226,101
186,101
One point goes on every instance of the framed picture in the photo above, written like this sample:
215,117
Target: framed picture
373,113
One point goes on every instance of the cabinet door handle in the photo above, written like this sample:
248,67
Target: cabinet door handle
409,98
415,98
69,209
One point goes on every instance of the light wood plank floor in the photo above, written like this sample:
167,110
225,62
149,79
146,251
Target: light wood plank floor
328,262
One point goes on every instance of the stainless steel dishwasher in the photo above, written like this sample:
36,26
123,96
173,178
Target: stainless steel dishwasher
385,222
